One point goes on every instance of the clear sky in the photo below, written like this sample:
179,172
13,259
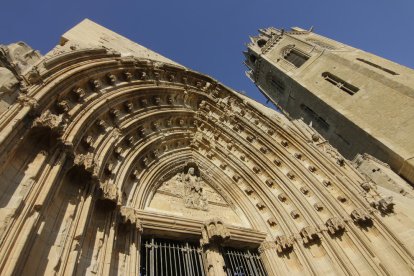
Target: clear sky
209,36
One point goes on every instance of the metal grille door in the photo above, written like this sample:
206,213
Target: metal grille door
243,263
170,258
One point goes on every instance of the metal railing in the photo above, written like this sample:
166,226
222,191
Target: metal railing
170,258
243,263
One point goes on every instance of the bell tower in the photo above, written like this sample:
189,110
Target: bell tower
359,102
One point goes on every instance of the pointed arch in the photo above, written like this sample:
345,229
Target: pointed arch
130,124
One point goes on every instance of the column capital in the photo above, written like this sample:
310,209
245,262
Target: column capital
214,231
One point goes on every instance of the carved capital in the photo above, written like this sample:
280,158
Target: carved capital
110,191
85,160
49,120
27,101
214,231
130,215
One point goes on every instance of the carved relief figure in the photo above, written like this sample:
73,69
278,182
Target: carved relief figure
194,196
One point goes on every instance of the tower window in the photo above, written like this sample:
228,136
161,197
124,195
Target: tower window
295,57
252,58
377,66
340,83
276,83
261,42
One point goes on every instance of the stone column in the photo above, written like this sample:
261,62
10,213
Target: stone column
129,215
214,233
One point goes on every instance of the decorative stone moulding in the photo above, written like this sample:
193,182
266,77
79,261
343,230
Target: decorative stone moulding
128,76
266,245
361,216
304,190
260,205
326,183
340,161
49,120
384,205
264,149
318,207
109,192
294,214
250,138
290,175
272,221
309,234
284,244
256,169
298,155
282,197
79,93
236,177
270,182
335,225
277,162
284,143
248,190
111,78
95,84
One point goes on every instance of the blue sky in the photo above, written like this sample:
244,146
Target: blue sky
209,36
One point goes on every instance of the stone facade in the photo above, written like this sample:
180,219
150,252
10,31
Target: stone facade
105,144
359,102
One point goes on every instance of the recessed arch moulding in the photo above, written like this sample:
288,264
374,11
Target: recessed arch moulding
101,148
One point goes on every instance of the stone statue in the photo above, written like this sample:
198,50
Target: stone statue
193,191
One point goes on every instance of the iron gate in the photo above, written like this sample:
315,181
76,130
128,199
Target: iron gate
170,258
243,263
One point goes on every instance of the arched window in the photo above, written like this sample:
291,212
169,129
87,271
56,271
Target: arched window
261,42
295,57
340,83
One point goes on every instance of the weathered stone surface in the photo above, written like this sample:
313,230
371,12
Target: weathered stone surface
110,145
